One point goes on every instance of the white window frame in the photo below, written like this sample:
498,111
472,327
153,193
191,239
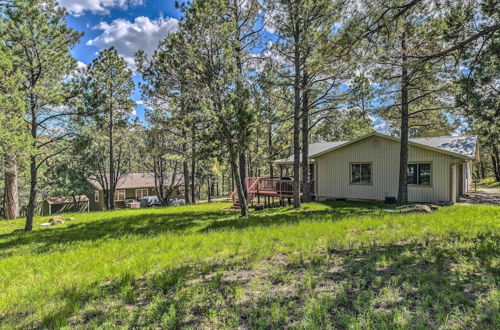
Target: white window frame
141,190
117,195
361,183
96,196
418,184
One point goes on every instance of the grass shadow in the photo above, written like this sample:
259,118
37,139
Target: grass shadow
332,210
156,223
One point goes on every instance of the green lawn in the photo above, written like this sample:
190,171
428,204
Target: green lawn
336,264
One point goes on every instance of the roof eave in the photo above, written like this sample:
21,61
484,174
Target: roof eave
449,153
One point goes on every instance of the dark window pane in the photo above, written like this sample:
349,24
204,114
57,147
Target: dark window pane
366,173
411,177
424,174
355,173
361,173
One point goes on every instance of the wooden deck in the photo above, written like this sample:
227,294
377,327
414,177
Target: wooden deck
268,188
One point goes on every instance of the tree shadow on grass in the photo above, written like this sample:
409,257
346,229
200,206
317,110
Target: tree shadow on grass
153,224
389,286
113,227
271,217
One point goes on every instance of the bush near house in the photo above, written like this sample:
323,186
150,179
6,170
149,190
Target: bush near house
334,264
489,183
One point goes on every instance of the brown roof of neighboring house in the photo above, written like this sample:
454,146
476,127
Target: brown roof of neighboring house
66,200
134,180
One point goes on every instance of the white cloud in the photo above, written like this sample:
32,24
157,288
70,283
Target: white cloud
81,66
78,72
380,125
128,37
78,7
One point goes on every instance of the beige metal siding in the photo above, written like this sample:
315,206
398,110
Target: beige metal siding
334,172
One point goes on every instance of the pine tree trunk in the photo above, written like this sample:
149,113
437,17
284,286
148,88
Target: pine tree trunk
270,145
497,162
239,65
111,194
296,119
494,165
306,183
232,180
193,164
33,193
30,212
209,197
403,153
243,172
223,186
11,194
239,186
185,169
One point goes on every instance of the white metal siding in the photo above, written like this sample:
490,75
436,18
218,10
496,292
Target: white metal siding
334,172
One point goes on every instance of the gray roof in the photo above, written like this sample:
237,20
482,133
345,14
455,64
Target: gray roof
462,145
314,148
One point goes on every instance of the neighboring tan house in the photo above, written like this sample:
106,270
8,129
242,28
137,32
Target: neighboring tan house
131,186
367,168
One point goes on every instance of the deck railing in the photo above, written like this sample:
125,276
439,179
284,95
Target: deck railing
278,185
256,186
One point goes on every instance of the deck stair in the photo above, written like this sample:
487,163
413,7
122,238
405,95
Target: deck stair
251,184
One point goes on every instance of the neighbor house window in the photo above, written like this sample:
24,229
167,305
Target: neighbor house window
119,195
419,174
361,173
141,193
96,196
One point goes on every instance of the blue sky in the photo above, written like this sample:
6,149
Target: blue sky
128,25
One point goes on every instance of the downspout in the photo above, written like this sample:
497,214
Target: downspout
453,182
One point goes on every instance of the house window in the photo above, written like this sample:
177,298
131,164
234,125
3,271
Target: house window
141,193
361,173
96,196
419,174
119,195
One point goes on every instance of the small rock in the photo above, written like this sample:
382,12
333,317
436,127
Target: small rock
57,222
56,218
417,209
433,207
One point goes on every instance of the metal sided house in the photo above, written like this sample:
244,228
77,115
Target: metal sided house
439,168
